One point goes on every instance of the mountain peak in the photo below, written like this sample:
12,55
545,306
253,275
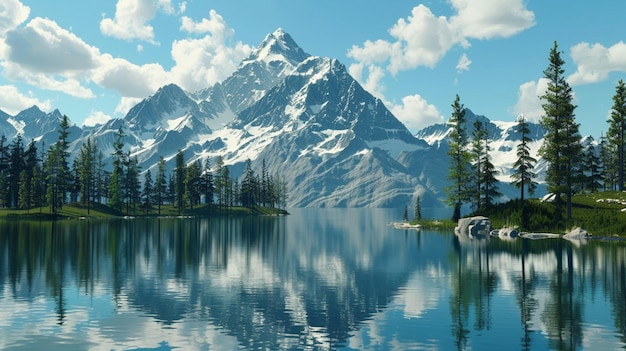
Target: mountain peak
278,46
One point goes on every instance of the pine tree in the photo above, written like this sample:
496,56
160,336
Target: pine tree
205,183
86,169
248,194
617,130
179,179
418,209
561,147
523,168
592,172
459,159
4,167
148,191
116,182
62,146
191,184
475,192
609,171
160,185
16,166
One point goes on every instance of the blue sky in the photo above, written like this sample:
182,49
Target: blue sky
93,60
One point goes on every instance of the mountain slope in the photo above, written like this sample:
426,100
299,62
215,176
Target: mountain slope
314,125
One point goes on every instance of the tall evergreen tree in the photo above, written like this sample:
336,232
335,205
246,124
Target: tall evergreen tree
476,154
86,162
459,174
561,147
249,186
418,209
592,169
62,146
179,174
523,169
160,185
16,167
148,191
192,184
4,171
609,166
617,130
116,182
207,186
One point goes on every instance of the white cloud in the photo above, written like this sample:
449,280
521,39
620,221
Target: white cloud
486,19
214,24
421,40
371,83
131,18
595,62
463,64
416,113
125,104
43,46
529,103
128,79
12,14
205,61
372,52
96,118
12,101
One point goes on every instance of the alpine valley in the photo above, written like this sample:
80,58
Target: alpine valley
334,143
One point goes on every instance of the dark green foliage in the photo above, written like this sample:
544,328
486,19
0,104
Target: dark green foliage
418,210
179,181
148,192
459,174
617,131
523,174
561,147
88,183
484,188
116,182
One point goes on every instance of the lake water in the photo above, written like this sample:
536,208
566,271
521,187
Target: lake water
317,279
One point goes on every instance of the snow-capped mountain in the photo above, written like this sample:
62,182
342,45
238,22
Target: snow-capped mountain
333,142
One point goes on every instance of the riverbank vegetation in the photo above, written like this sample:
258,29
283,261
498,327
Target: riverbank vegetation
55,184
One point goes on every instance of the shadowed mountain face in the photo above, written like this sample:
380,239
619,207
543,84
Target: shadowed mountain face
332,142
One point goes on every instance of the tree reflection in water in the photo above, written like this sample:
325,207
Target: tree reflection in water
302,282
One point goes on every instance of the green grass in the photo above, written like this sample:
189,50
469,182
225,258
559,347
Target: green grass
78,210
589,211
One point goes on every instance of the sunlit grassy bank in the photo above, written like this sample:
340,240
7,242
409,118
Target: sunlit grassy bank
77,210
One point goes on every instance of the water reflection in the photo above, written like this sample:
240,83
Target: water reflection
317,279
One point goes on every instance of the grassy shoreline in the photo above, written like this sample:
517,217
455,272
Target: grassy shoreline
98,211
599,213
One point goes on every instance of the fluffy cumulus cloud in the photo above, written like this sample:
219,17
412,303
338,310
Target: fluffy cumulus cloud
12,101
595,62
201,62
486,19
128,79
132,17
529,103
96,118
416,113
423,39
64,51
12,14
45,55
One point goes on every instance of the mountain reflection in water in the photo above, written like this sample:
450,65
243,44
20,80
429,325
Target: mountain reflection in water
316,279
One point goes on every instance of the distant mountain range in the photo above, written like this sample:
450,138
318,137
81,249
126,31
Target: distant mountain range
335,144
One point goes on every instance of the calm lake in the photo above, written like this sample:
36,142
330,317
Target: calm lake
317,279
